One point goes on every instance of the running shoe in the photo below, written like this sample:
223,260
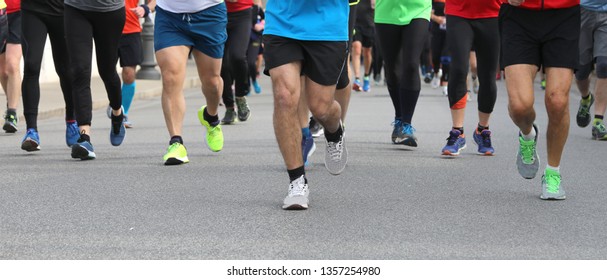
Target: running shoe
428,77
214,135
316,128
377,79
583,112
551,186
436,79
455,143
31,141
599,132
297,196
117,134
256,87
397,131
176,154
10,123
83,150
229,117
336,155
527,160
445,91
307,147
356,85
243,109
407,136
483,141
72,133
127,122
366,84
543,84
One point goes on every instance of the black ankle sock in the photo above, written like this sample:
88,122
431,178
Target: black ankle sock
480,128
461,129
84,137
586,98
11,111
213,120
334,136
600,117
176,139
294,174
117,122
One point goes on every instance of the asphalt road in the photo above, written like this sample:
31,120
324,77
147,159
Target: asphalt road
391,202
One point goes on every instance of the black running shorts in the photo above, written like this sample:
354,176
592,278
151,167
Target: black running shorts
546,38
130,50
322,61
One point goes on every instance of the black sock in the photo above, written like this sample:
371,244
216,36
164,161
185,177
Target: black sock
117,122
461,129
586,98
294,174
213,120
480,128
11,111
600,117
84,137
334,136
176,139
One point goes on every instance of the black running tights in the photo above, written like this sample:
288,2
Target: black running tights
234,67
401,47
105,28
35,26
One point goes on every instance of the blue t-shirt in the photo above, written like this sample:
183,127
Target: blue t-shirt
308,20
595,5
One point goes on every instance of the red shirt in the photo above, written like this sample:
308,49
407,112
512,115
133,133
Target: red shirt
473,9
13,6
132,24
547,4
239,5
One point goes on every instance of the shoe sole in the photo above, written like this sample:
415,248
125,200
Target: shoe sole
82,153
553,198
9,128
175,161
295,207
30,146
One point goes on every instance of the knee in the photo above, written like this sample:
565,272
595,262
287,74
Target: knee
557,103
128,75
519,109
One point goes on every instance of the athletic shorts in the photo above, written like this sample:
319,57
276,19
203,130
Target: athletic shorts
130,50
365,35
593,36
205,31
3,29
548,38
14,30
322,61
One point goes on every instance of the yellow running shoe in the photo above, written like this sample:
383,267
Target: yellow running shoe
214,136
176,154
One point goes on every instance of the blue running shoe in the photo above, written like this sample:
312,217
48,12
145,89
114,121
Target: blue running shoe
71,133
483,140
83,150
366,84
31,141
407,136
397,131
256,87
455,143
307,147
116,137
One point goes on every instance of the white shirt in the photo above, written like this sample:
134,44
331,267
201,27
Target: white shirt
186,6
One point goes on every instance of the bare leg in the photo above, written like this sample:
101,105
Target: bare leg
172,62
520,95
558,84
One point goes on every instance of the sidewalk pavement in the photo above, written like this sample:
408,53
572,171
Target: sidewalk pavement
52,104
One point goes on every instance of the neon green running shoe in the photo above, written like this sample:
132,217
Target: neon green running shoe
599,132
527,160
176,154
551,185
214,136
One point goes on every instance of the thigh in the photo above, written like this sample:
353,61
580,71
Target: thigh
33,38
14,28
600,36
460,39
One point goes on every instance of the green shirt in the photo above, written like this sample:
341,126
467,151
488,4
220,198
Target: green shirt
401,12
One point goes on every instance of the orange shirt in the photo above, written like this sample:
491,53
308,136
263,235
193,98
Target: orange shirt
132,24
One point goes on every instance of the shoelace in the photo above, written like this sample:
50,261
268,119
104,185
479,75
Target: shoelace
408,129
297,187
486,139
335,150
553,183
601,127
452,138
527,151
396,123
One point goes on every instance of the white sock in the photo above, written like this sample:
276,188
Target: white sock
557,169
530,136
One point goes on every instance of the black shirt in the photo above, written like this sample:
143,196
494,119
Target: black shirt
49,7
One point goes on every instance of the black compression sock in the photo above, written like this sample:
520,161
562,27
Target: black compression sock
176,139
480,128
600,117
84,137
117,122
461,129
